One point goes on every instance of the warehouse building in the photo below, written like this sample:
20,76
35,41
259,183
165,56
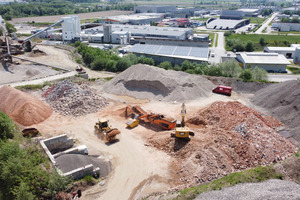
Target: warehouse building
154,9
271,62
226,24
135,19
288,52
249,12
286,27
173,54
229,20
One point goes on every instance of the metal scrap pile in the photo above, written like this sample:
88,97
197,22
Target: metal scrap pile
69,98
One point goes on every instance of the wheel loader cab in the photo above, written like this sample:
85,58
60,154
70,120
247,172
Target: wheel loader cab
103,123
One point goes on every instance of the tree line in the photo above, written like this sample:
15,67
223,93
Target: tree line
98,59
57,7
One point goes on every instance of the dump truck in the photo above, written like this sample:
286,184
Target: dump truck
110,133
221,89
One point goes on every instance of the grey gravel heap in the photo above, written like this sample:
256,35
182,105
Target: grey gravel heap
69,98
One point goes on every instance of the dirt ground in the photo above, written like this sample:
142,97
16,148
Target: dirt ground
56,18
138,169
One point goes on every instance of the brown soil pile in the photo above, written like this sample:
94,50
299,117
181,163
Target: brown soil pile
23,108
228,137
148,82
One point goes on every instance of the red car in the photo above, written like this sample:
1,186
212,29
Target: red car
221,89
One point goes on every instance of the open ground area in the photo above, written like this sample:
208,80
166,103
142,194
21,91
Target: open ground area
230,133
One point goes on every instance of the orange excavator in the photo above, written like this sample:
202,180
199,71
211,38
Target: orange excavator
138,114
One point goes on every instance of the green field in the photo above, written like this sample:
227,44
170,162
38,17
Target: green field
271,40
255,20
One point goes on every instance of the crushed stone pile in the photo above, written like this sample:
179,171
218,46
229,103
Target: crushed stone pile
271,189
148,82
228,137
70,162
69,98
23,108
283,101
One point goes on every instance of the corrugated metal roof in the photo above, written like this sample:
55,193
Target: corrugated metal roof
172,51
264,58
224,23
280,48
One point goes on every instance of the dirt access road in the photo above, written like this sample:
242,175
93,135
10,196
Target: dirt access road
82,16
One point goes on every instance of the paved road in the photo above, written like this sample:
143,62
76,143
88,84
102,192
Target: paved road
219,50
43,80
266,23
282,77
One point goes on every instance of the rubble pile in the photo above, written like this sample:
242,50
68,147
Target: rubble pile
228,137
69,98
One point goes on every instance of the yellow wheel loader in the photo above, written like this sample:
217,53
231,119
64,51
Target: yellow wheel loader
109,132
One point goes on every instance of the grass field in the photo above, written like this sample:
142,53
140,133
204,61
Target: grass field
271,40
255,20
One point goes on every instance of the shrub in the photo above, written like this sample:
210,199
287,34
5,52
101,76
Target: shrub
213,70
7,126
246,75
230,68
259,74
122,65
165,65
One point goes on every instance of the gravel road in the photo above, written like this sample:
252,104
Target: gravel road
271,190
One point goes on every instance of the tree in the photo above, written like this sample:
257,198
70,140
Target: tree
213,70
246,75
262,42
249,46
165,65
259,74
57,183
7,126
23,192
10,28
230,68
88,58
122,65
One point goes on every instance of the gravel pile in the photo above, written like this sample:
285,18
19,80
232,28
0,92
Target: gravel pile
147,82
283,101
69,162
270,189
69,98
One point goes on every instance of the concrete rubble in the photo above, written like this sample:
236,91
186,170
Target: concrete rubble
69,98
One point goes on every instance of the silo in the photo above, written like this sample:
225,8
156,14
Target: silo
297,56
107,33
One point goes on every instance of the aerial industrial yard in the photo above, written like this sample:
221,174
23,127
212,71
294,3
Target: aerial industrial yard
148,132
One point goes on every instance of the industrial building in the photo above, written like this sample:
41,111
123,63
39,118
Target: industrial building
135,19
229,20
71,28
173,54
254,12
288,52
154,9
271,62
286,26
226,24
297,56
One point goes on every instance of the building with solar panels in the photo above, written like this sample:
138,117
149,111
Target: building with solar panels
173,54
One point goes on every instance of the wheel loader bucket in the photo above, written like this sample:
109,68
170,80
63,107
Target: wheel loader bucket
111,134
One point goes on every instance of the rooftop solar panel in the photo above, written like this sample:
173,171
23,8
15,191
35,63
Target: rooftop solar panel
182,51
166,50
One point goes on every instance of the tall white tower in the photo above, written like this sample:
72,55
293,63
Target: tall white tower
71,28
